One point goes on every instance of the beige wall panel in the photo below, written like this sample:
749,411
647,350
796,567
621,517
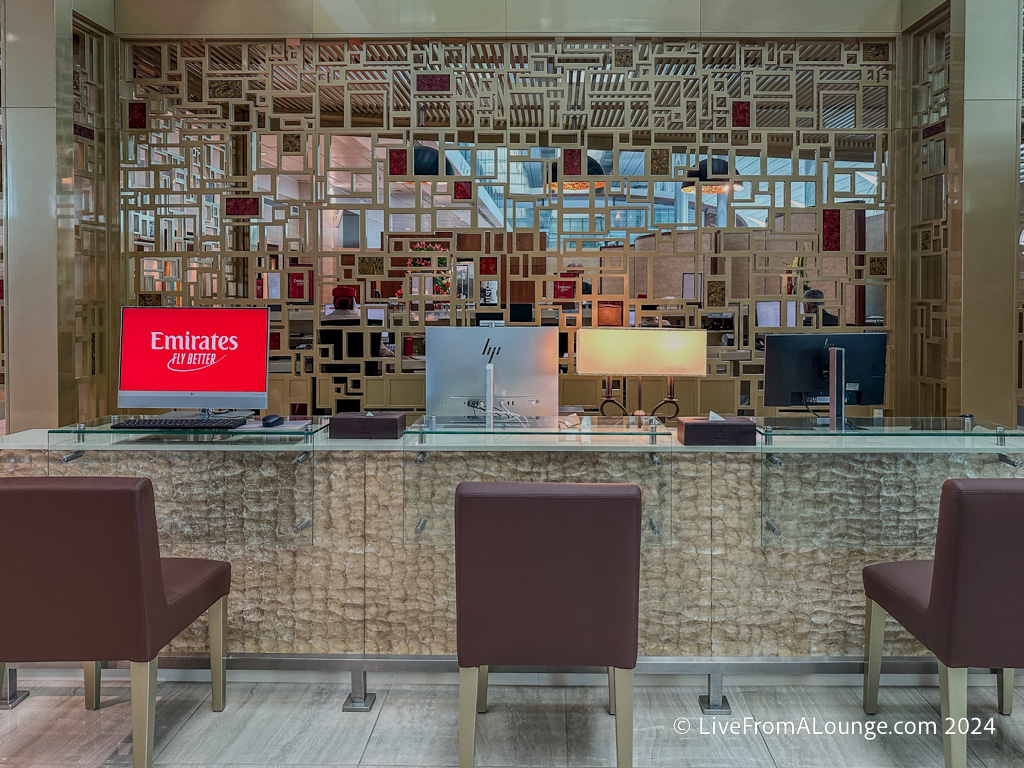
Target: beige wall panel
32,271
29,37
97,11
554,17
223,18
717,396
409,17
989,37
912,11
495,17
585,391
990,179
798,17
409,392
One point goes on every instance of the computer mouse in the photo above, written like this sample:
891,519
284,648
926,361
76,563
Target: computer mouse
272,420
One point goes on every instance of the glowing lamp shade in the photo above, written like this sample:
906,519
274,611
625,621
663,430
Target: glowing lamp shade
641,351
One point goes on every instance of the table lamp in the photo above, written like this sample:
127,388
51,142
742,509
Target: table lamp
641,352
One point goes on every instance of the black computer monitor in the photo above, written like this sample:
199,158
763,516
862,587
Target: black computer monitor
796,368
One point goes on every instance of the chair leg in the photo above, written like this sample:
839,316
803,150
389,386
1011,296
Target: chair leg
218,626
874,638
481,690
143,712
953,691
611,690
469,678
92,684
1004,684
623,717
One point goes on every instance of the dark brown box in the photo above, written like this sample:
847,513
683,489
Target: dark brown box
699,430
382,425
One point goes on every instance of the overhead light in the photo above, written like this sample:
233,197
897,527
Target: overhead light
720,186
593,169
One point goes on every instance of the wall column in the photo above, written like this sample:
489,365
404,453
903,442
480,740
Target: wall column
985,125
39,226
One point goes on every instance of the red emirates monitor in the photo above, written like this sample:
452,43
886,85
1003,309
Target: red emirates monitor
200,358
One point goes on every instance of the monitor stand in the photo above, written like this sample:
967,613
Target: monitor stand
837,389
205,413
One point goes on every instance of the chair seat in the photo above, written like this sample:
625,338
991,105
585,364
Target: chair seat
903,589
192,585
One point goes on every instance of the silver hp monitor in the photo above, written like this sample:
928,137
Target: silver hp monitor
525,375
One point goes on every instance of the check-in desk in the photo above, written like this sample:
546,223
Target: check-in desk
344,550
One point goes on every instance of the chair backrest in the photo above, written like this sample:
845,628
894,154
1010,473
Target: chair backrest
975,613
81,568
547,574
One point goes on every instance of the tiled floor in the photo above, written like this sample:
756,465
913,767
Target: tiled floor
292,724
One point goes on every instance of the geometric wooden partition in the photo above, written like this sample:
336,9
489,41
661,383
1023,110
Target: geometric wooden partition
3,273
94,82
533,182
935,271
1020,281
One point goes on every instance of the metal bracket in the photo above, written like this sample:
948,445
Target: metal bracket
10,696
359,700
774,460
655,528
1015,463
655,459
770,526
302,526
421,526
715,702
67,458
1000,436
421,457
300,458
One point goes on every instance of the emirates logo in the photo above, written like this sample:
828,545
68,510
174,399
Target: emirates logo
192,352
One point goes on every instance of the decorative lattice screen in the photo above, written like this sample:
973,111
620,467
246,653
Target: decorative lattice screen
526,182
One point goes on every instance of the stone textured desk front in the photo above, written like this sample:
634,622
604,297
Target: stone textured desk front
372,570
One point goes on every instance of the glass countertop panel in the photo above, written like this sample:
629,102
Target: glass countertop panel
253,428
910,426
589,425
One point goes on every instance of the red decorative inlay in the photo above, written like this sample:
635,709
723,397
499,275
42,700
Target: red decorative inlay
433,82
1,290
934,130
398,162
741,114
242,206
85,132
572,162
463,190
275,339
136,115
831,229
488,266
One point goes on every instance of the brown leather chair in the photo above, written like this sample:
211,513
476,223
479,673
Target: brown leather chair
964,605
547,574
84,580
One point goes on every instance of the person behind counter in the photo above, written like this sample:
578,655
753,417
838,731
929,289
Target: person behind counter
814,303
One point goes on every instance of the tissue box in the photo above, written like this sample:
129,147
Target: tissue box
700,430
383,425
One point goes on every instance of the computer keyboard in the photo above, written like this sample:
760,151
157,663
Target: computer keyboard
180,424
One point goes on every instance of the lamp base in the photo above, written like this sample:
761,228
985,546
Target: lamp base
616,403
